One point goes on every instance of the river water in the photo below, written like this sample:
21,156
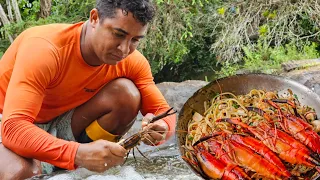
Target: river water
169,168
160,166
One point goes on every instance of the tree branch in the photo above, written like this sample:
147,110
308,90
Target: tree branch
5,21
45,8
16,10
9,10
3,16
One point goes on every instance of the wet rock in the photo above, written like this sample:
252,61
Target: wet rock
176,95
292,65
310,77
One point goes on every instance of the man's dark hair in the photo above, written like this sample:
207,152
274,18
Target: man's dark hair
142,10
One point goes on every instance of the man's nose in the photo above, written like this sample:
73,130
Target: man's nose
124,47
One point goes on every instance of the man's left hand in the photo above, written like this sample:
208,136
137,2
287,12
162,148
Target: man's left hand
157,130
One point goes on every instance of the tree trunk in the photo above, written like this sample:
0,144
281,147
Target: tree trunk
5,21
45,8
16,10
3,16
9,10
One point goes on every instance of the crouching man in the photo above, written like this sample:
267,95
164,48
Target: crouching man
68,92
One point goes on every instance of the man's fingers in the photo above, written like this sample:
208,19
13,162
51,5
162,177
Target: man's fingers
157,127
117,150
155,135
149,140
156,131
146,119
114,161
117,155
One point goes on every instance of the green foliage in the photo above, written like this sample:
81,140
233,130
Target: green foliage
227,69
263,30
261,57
279,22
67,10
194,64
73,10
63,11
205,39
29,9
168,33
3,46
179,40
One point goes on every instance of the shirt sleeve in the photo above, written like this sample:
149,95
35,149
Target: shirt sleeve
35,67
152,99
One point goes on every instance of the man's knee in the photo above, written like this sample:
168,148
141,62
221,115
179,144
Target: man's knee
125,94
115,107
13,166
21,171
123,98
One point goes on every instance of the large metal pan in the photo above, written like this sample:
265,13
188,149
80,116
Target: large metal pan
240,84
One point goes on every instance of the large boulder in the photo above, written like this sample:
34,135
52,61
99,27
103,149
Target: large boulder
176,95
309,77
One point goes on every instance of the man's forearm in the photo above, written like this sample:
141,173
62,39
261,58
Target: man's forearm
27,140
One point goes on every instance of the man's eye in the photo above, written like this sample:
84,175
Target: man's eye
135,40
119,35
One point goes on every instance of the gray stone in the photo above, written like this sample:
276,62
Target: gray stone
310,77
176,95
292,65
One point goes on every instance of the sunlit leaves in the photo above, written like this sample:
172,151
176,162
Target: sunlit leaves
269,15
263,30
221,11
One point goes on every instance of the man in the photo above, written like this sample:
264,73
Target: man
83,83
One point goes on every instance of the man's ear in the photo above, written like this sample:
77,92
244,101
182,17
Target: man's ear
94,17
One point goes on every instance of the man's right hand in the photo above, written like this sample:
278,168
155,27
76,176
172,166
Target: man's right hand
100,155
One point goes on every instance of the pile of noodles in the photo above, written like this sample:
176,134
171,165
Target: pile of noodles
227,105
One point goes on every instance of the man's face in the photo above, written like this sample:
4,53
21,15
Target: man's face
113,39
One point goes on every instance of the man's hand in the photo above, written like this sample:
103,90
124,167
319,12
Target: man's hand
158,130
100,155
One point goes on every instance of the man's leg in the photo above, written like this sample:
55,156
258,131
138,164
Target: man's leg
15,167
114,107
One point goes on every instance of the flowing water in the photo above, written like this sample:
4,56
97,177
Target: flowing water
159,166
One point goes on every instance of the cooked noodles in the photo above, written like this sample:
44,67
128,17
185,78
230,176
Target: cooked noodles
227,105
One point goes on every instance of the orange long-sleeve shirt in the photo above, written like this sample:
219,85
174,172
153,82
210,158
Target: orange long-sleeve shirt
43,74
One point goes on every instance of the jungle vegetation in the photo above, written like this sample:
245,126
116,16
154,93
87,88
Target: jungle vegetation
196,39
